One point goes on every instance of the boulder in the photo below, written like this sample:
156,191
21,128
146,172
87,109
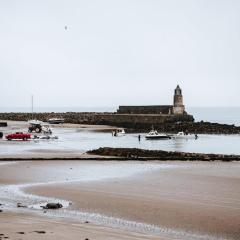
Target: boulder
52,206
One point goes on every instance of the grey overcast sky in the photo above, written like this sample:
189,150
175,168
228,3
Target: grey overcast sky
117,52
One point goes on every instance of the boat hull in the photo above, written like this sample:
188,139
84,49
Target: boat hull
157,137
55,121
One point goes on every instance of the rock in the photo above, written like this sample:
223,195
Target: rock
1,210
52,206
143,154
40,232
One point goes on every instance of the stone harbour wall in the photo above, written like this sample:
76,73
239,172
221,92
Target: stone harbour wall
164,109
121,120
132,122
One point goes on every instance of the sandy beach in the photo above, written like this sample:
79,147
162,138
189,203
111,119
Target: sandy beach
150,200
30,227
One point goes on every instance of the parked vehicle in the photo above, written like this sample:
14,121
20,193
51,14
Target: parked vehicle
153,134
38,127
3,124
18,136
35,126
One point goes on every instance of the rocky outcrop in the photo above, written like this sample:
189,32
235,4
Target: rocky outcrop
194,127
142,154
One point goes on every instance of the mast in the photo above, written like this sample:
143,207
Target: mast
32,105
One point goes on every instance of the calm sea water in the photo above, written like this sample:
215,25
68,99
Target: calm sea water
78,140
227,115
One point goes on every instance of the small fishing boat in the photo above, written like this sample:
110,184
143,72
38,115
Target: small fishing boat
44,137
183,135
118,132
55,120
153,134
121,132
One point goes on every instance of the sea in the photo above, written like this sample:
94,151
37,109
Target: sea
83,140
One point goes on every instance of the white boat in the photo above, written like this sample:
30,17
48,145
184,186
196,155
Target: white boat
121,132
55,120
46,129
44,137
35,122
153,134
183,135
118,132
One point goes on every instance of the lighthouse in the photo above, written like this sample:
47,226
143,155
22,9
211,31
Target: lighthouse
178,107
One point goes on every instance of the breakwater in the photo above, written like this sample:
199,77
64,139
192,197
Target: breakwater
132,122
142,154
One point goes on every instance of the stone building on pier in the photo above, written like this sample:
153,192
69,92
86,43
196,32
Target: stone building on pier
176,109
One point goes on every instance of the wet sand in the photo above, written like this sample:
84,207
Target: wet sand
28,227
190,200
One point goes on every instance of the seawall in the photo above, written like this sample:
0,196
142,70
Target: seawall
133,122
